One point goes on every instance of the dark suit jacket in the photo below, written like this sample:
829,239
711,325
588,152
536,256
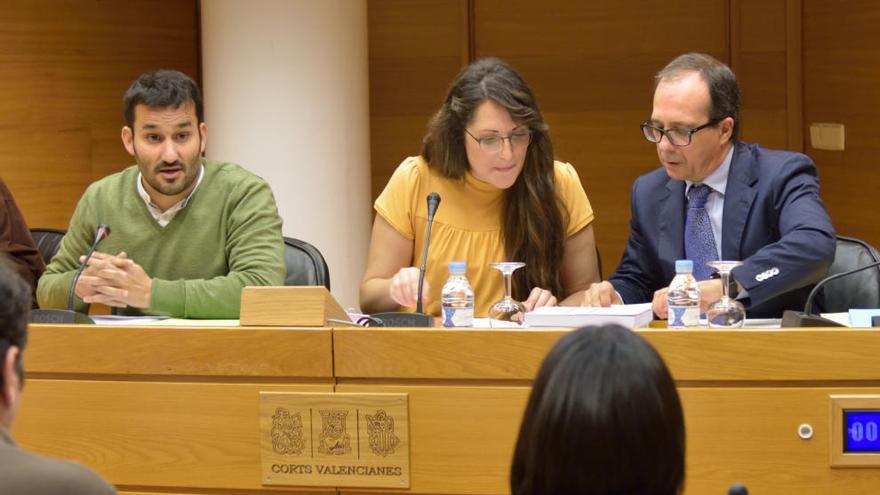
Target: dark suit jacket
16,240
773,221
23,473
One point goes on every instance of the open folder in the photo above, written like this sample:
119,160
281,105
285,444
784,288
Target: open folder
628,315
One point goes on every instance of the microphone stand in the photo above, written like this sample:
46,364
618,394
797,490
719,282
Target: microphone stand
417,319
67,316
793,319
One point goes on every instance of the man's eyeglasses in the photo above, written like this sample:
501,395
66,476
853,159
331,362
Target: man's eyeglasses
677,136
494,144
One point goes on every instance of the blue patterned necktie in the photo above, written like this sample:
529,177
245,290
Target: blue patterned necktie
699,243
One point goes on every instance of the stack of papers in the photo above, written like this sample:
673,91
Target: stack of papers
628,315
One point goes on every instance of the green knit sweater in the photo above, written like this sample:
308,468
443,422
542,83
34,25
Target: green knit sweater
227,237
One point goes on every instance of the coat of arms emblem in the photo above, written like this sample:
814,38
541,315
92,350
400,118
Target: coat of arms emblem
380,431
287,432
334,439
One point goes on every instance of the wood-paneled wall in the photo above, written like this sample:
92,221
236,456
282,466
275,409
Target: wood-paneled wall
591,65
64,67
415,50
842,84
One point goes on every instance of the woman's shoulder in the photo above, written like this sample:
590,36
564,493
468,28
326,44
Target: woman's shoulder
412,168
565,173
566,176
571,192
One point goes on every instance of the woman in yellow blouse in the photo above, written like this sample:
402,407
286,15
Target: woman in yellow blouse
504,198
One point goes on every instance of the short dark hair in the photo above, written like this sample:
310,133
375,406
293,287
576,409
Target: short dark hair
603,418
15,307
724,94
162,88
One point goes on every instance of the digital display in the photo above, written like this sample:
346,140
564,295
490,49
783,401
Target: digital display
862,432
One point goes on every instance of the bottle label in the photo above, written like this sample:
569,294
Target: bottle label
458,317
683,316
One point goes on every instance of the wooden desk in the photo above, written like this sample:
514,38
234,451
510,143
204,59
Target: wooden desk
174,410
744,393
153,408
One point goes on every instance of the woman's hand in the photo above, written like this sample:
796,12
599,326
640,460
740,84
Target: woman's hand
539,297
404,288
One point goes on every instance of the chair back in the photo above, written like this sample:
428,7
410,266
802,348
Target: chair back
859,290
305,264
47,241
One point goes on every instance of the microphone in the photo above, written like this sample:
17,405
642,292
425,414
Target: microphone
102,231
69,315
807,318
433,203
417,319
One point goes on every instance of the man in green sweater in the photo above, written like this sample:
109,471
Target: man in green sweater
187,233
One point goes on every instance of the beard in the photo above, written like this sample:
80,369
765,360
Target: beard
184,173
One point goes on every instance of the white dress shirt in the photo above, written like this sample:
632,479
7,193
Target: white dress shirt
163,218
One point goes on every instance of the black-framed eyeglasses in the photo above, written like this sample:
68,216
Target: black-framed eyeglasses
677,136
494,144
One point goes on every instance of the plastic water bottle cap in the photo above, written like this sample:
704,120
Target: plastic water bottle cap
457,266
686,266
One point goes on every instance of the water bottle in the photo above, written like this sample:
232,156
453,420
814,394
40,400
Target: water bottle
683,297
457,297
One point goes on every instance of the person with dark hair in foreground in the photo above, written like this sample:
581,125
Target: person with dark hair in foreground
188,233
489,156
603,418
23,473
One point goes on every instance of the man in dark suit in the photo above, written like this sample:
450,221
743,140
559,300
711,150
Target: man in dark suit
747,203
23,473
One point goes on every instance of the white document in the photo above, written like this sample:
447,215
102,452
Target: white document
181,322
842,318
119,320
627,315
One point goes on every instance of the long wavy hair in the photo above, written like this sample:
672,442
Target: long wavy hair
533,218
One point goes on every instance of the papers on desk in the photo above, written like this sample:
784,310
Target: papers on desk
118,320
628,315
182,322
854,318
861,318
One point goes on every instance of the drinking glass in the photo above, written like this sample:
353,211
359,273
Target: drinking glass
507,312
725,312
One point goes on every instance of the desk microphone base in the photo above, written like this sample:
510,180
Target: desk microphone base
795,319
63,316
395,319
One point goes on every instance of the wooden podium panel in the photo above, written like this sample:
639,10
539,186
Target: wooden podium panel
461,437
750,435
811,355
462,354
744,394
164,410
181,351
152,434
176,410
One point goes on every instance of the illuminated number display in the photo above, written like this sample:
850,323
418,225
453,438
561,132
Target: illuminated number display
862,431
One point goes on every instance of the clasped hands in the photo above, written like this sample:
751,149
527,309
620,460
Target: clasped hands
114,280
404,291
